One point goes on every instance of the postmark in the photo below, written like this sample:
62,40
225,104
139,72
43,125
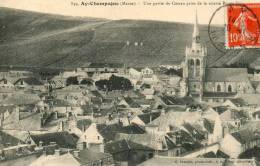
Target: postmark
241,27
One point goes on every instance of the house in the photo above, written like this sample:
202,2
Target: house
148,76
72,93
64,107
74,158
6,84
21,99
92,139
99,68
129,104
126,152
236,103
148,91
135,74
21,154
157,141
237,142
169,120
62,139
30,83
20,120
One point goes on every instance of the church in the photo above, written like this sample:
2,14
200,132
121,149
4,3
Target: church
207,83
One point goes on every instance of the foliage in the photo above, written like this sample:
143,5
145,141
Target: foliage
72,81
114,83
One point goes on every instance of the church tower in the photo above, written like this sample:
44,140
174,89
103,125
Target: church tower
195,63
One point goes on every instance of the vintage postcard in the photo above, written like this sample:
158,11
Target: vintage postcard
129,82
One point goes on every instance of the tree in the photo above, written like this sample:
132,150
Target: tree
72,81
114,83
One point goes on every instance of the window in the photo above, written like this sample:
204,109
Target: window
197,62
5,81
229,88
218,88
191,62
98,137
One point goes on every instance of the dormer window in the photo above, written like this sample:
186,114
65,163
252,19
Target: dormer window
5,81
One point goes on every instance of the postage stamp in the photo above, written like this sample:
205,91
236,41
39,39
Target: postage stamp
242,28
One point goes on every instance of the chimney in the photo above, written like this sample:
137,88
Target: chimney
76,153
55,115
17,114
57,152
1,119
61,126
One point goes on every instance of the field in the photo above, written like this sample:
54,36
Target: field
42,40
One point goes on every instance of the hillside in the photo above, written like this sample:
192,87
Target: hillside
34,39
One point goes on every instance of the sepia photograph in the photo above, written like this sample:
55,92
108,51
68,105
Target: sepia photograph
129,83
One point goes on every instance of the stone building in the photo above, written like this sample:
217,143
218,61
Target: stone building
211,84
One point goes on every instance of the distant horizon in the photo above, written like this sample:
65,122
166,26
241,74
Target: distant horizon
101,18
181,14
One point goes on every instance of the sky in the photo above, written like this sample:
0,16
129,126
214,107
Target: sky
174,12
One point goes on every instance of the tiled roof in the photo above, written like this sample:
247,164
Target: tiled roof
245,135
109,131
238,102
124,145
220,109
30,81
149,140
21,99
149,116
131,102
226,75
219,95
62,139
170,100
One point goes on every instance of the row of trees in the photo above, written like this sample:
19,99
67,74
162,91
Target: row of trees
113,83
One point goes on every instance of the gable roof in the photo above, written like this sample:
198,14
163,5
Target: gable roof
124,145
226,75
131,102
62,139
30,81
238,102
149,140
21,99
245,135
176,119
149,116
170,100
109,131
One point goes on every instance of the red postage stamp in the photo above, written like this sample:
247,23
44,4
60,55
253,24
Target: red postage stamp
243,26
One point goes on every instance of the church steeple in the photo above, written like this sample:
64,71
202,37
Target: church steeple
196,34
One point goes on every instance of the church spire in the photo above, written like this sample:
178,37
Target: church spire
196,34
